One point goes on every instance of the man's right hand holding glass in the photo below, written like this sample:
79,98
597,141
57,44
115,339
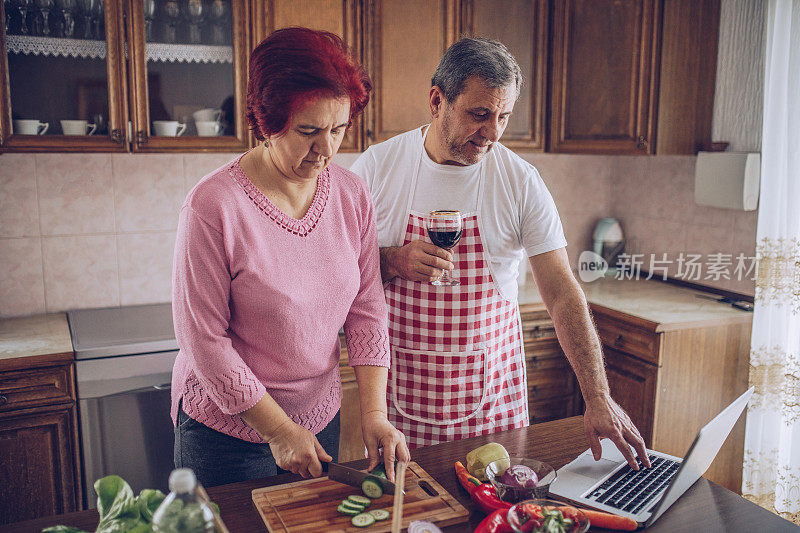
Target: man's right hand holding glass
415,261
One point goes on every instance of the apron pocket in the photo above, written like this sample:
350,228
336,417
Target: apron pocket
438,388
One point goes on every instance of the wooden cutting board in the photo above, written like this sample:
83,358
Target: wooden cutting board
310,506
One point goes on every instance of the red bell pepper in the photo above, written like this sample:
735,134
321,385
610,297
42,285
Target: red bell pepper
495,523
482,494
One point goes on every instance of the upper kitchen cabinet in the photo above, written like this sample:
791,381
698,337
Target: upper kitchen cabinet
522,25
123,75
341,17
403,42
632,76
188,75
61,81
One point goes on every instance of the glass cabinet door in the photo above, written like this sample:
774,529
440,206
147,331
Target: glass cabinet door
62,74
188,75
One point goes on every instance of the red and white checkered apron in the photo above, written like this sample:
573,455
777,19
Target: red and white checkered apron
458,366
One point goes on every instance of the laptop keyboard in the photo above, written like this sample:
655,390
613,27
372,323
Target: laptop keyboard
631,490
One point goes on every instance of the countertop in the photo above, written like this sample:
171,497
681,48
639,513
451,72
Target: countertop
704,507
669,306
34,335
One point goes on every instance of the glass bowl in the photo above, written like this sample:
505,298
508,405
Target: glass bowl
511,494
519,516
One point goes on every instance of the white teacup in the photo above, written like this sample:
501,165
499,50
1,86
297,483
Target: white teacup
208,114
77,127
207,128
30,127
168,128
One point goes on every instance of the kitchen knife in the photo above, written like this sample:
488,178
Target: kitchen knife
353,477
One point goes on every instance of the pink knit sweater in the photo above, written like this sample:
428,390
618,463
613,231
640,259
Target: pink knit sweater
259,299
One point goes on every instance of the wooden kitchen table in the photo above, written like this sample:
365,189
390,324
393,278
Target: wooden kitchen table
705,507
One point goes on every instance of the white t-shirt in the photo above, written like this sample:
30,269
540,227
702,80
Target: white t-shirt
516,214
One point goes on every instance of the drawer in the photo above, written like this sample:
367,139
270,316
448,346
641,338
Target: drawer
22,389
628,338
552,409
545,355
550,382
541,328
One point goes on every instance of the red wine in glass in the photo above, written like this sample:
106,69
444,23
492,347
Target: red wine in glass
444,229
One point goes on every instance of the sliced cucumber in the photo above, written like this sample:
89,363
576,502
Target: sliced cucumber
379,514
363,520
372,488
347,504
358,499
351,512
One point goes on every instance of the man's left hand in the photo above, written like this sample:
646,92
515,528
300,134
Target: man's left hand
380,433
604,418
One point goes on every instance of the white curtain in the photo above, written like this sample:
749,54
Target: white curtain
772,441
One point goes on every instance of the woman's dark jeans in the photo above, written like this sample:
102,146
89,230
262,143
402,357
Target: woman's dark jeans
218,459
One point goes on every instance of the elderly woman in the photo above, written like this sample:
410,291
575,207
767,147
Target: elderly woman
276,252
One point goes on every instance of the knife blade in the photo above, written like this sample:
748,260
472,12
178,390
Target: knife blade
353,477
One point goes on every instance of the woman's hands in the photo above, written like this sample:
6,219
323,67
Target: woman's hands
297,450
380,433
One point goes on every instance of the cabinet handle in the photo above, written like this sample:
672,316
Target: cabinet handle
3,399
116,136
619,341
534,361
141,138
533,391
641,143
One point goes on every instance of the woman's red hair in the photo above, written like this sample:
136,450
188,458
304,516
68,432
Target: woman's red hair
294,64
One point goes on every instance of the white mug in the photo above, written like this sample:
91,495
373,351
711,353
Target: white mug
77,127
168,128
206,128
30,127
207,115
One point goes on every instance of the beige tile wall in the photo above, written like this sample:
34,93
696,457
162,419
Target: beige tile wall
653,197
90,230
95,230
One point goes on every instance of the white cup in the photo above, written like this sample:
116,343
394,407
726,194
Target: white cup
30,127
77,127
208,114
168,128
207,128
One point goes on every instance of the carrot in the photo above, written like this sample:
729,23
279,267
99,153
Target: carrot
604,520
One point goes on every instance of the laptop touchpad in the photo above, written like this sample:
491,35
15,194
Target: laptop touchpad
585,465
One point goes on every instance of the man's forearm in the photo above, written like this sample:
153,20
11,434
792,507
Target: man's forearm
387,270
578,338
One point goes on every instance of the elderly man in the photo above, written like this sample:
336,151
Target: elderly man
458,366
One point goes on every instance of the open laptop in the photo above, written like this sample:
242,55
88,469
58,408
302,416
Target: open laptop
611,485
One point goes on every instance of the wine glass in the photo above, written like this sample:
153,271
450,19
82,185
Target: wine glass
216,13
149,7
23,6
44,10
444,229
87,7
172,12
194,14
97,15
67,8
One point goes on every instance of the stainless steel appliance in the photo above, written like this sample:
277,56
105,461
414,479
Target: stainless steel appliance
124,358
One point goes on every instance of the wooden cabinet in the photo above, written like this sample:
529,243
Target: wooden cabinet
39,472
553,390
672,380
403,42
632,76
341,17
130,75
522,25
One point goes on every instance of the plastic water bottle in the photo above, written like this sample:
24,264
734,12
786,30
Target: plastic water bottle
183,510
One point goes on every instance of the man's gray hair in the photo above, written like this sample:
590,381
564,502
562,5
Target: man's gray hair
476,56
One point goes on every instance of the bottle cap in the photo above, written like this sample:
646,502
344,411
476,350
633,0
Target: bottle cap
182,480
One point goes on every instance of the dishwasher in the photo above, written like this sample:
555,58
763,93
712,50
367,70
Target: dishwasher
123,368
